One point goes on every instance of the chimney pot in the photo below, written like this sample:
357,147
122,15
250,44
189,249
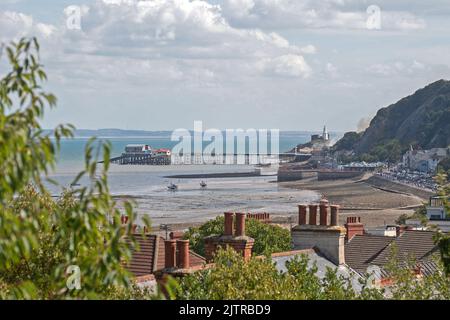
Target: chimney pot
240,224
183,254
302,214
170,253
323,212
334,215
313,214
228,230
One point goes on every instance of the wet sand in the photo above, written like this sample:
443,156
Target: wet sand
190,205
376,205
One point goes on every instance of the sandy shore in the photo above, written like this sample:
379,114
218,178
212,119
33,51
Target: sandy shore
375,203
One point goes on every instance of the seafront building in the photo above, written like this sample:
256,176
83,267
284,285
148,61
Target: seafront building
424,160
143,154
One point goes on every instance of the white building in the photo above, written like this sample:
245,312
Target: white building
436,209
138,148
424,160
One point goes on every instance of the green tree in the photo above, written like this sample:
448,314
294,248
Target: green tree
40,238
443,239
268,238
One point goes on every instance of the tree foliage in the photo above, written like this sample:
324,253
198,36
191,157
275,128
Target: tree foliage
443,239
40,237
232,278
268,238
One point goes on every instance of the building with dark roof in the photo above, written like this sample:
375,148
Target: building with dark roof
418,245
149,255
351,247
362,249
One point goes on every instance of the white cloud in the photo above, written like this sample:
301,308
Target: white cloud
14,25
399,68
172,28
340,14
289,65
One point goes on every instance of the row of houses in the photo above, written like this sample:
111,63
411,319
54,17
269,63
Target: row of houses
351,249
424,160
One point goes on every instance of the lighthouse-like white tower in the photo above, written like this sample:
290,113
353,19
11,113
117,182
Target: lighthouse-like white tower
325,135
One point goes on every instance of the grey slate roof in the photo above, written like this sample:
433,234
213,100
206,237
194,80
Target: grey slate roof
362,249
416,244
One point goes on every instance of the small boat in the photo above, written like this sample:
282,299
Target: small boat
172,187
75,184
203,184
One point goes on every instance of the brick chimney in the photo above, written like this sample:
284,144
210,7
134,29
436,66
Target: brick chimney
176,264
323,216
302,208
228,228
334,215
183,254
313,214
328,239
170,251
124,219
238,241
354,227
240,224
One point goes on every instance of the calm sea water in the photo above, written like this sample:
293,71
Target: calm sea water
147,185
72,150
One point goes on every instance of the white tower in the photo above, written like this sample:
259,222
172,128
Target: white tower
325,135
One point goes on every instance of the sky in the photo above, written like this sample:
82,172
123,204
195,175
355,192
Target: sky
284,64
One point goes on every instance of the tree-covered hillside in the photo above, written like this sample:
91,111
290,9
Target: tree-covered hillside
421,120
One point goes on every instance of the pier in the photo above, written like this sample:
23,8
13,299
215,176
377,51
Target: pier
144,155
151,159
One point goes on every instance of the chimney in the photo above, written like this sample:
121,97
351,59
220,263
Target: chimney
302,214
228,228
239,241
323,212
240,225
334,215
183,254
354,227
170,253
313,214
328,239
124,219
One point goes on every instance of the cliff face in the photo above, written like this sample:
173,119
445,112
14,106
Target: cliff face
422,119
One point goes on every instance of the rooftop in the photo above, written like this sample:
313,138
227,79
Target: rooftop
362,249
150,256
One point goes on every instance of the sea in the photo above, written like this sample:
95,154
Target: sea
146,185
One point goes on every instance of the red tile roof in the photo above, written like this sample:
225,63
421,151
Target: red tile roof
150,256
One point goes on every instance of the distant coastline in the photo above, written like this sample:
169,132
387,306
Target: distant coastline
116,133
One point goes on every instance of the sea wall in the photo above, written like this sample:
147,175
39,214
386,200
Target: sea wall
388,185
335,175
294,175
